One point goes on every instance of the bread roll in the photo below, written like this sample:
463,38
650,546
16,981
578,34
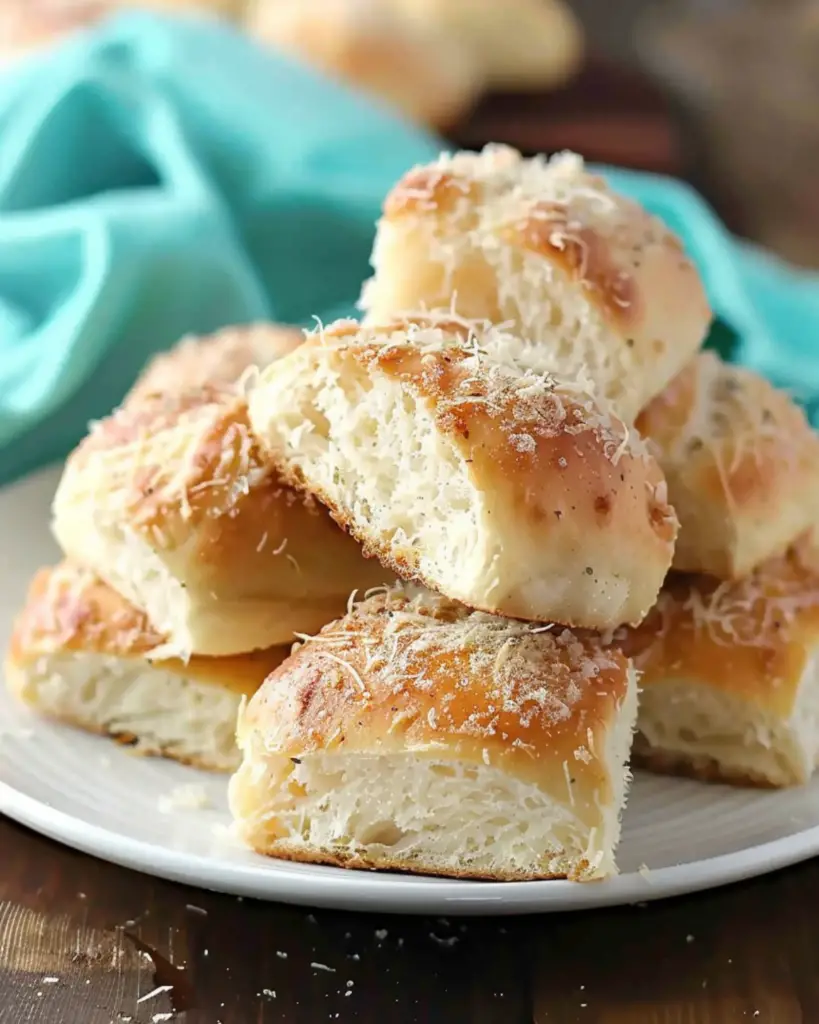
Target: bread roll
510,492
27,25
80,654
730,676
586,278
518,44
226,8
170,501
418,736
220,359
742,465
429,76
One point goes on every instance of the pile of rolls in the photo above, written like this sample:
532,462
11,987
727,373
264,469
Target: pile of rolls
455,566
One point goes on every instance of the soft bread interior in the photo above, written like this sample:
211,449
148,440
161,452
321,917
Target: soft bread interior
618,745
712,733
436,816
161,712
428,812
393,483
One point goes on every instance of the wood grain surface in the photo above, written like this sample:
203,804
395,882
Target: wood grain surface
84,942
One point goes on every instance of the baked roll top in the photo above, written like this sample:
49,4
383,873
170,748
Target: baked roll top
80,653
512,492
427,73
450,742
587,279
172,503
521,44
729,675
219,360
742,465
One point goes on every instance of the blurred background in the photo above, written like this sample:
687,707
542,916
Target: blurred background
723,93
720,92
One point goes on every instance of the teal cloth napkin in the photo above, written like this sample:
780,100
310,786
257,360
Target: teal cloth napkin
163,176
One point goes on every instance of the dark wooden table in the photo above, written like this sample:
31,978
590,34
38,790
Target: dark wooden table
83,942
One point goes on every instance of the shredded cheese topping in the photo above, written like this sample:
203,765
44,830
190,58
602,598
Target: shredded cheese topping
489,375
459,672
165,463
223,359
549,247
68,607
763,610
729,417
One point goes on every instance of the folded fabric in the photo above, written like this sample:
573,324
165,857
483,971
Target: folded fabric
162,176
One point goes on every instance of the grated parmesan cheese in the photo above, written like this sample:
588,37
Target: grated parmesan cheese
558,254
420,650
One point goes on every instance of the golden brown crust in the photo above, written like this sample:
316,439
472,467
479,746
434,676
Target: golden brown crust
736,428
605,263
585,255
428,189
186,467
282,850
547,229
67,608
218,360
187,462
183,454
184,472
750,639
69,611
586,275
407,671
742,464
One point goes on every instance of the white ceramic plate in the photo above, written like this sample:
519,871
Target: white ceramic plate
95,796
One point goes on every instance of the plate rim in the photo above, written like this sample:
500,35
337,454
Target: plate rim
337,888
329,887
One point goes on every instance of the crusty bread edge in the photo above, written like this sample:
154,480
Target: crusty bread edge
701,768
135,745
296,852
